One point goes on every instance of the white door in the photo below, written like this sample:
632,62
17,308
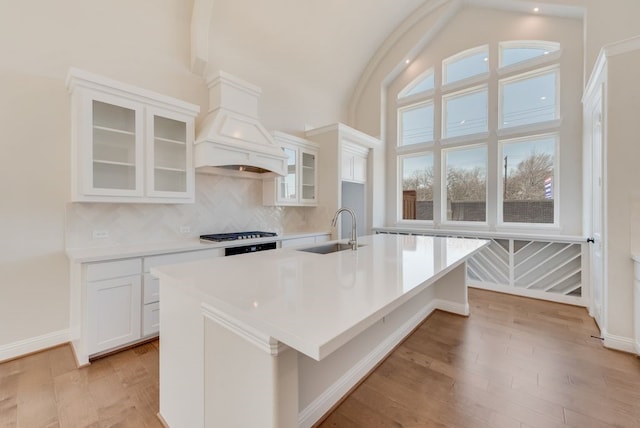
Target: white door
596,248
113,312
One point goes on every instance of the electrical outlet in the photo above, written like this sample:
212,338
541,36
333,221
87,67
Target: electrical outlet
100,234
185,229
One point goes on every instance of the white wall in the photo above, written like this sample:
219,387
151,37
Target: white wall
608,22
622,178
144,43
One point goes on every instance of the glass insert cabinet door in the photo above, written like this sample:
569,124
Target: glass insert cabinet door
308,176
115,157
169,154
287,185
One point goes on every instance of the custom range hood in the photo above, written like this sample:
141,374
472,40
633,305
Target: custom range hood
231,139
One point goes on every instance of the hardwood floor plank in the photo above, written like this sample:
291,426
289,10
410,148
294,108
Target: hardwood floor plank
513,363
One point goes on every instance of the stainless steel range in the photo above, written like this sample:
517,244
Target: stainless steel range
239,236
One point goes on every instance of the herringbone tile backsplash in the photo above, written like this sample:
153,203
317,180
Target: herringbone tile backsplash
223,204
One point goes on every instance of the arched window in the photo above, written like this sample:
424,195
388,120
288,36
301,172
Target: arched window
423,83
450,159
514,52
467,64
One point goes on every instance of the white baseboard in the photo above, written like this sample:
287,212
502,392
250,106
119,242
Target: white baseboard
323,403
33,344
619,343
454,308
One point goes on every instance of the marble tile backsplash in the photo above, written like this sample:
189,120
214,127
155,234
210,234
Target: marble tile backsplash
223,204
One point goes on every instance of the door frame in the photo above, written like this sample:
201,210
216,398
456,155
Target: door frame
594,109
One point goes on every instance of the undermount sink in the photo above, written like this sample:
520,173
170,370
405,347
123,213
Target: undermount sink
328,248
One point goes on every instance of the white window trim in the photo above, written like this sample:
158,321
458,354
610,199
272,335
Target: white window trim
553,69
495,134
556,185
443,185
530,65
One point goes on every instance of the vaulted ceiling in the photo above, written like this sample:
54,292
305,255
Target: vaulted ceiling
323,45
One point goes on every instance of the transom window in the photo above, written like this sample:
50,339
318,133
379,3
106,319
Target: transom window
465,113
529,98
507,158
464,65
423,83
416,123
521,51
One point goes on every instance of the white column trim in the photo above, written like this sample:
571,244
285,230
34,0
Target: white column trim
200,28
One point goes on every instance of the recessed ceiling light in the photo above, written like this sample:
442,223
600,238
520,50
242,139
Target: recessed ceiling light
536,9
543,98
407,61
486,59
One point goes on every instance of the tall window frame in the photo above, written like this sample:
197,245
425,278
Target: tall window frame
555,189
493,80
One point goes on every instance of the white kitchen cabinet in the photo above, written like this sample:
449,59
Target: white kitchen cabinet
128,144
113,304
348,156
151,284
354,163
299,186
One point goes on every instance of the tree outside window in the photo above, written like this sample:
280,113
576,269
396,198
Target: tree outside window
417,187
466,187
528,180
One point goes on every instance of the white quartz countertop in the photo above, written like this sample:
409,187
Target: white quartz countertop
97,254
315,303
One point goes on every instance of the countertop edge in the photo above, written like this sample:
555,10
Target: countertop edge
98,254
240,323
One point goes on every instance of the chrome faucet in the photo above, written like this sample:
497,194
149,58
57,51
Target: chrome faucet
354,237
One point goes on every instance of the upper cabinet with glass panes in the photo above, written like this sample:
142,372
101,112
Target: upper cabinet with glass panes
129,144
299,187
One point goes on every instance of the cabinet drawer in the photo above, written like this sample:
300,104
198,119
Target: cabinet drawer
151,289
167,259
151,319
115,269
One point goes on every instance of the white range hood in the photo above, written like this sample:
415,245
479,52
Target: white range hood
231,139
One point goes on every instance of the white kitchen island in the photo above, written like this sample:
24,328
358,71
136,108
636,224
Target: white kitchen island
275,338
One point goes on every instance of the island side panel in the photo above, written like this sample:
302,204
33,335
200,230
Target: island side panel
246,386
323,383
451,291
181,357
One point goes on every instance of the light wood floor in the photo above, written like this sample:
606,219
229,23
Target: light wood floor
514,362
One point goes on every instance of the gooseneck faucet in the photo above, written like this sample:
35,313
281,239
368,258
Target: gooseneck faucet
354,236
